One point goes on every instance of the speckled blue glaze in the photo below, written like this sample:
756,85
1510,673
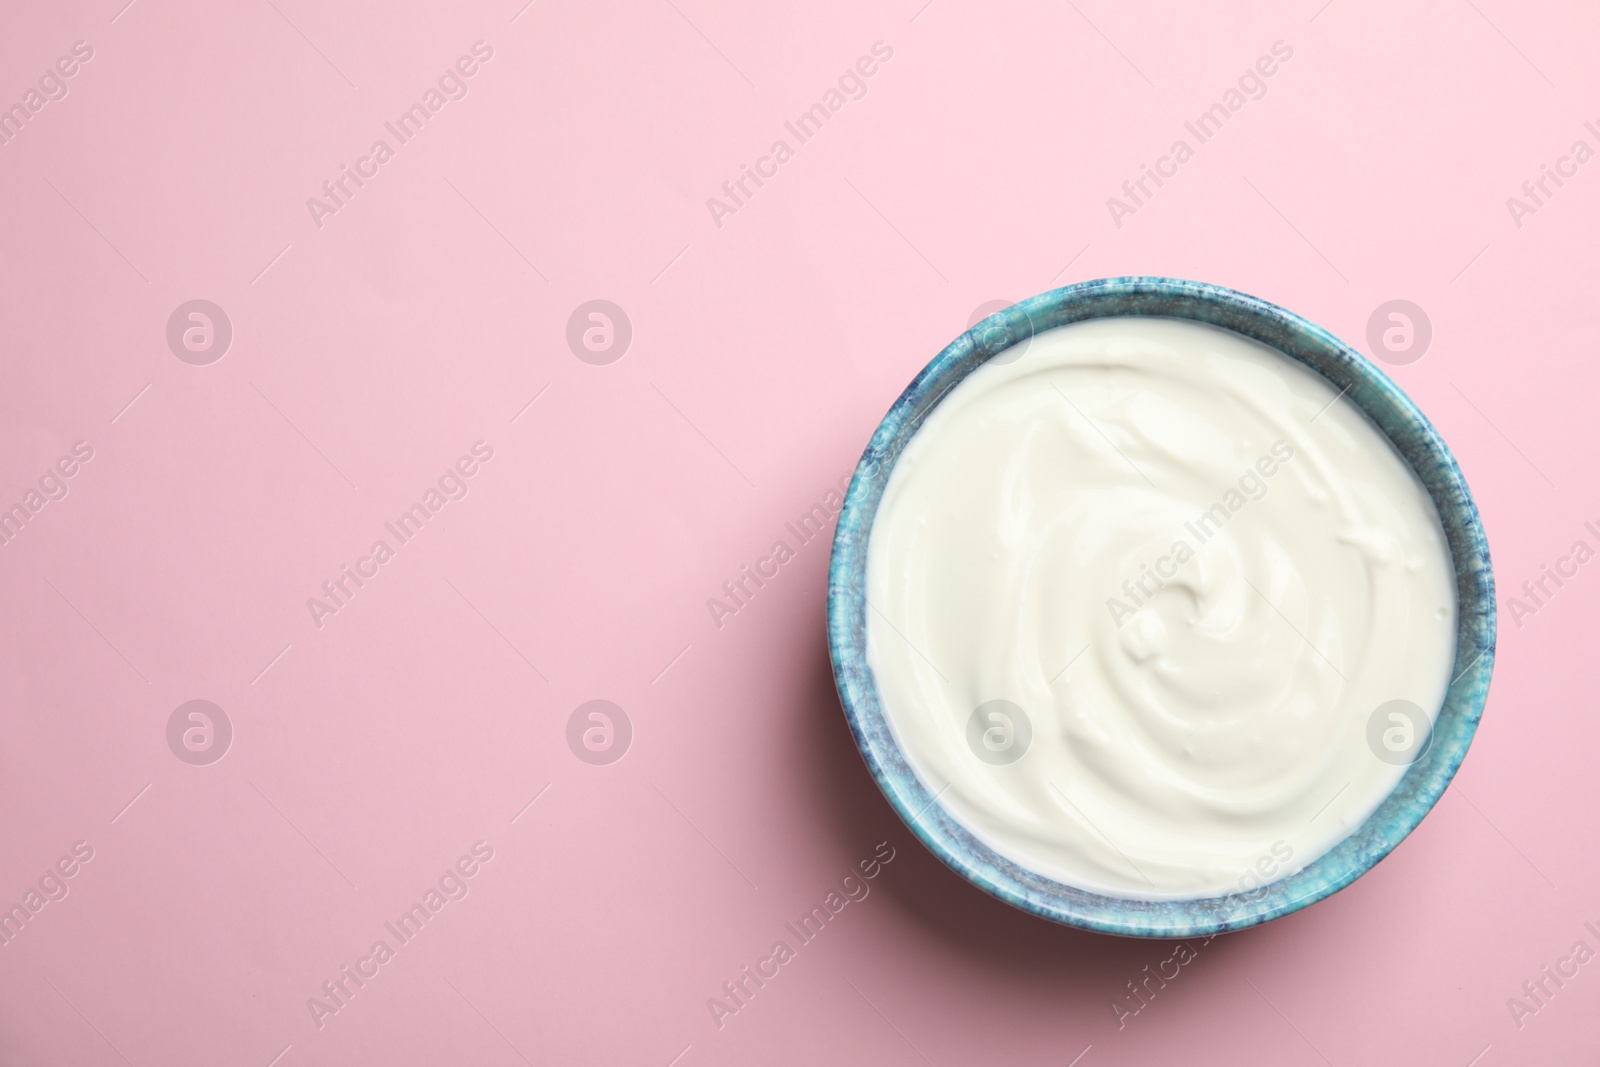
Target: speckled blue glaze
1388,408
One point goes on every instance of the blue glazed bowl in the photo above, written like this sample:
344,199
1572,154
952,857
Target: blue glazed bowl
1384,404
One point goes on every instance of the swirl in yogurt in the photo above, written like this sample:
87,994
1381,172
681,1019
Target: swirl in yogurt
1135,598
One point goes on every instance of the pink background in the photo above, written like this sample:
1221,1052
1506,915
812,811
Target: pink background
372,351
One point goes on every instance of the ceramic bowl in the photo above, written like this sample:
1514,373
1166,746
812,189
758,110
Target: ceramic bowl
1384,404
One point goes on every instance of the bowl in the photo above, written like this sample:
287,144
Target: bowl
1395,416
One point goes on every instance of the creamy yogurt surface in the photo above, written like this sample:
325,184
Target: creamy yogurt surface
1140,601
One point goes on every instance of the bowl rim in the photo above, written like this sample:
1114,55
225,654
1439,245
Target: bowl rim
1385,405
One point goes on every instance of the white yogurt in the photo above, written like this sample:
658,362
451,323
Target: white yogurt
1134,599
